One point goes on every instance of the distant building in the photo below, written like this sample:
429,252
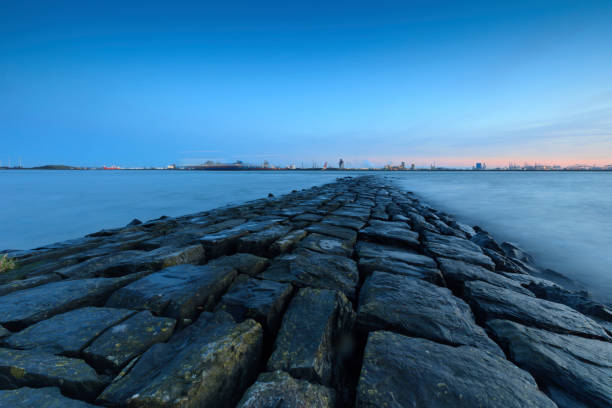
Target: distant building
403,166
480,166
412,167
341,164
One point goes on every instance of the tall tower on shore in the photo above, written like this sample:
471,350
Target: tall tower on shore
341,164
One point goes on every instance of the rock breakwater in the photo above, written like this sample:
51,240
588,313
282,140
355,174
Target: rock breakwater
354,293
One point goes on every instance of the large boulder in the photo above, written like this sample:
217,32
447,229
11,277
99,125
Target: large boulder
126,262
493,302
313,326
418,308
393,233
26,307
446,246
26,368
308,268
258,299
354,211
278,389
400,371
259,242
368,265
456,273
128,339
372,250
333,231
570,367
344,222
28,283
210,363
175,292
248,264
286,243
48,397
67,333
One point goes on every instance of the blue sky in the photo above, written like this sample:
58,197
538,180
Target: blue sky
154,83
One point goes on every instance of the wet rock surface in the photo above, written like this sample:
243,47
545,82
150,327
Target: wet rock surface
418,308
210,363
400,371
353,293
175,292
258,299
128,339
68,333
279,389
308,268
575,367
306,348
494,302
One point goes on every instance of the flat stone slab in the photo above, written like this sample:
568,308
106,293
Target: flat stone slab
48,397
25,368
128,339
175,292
334,231
493,302
223,242
570,367
307,268
372,250
286,243
327,245
417,308
344,222
248,264
279,389
67,333
312,326
368,265
258,299
446,246
28,283
361,213
392,233
127,262
400,371
26,307
259,242
456,273
209,363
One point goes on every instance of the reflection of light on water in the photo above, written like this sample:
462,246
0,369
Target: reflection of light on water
562,218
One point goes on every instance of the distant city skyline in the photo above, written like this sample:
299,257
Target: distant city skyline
455,83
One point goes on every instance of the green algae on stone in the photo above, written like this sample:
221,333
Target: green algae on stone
209,363
25,368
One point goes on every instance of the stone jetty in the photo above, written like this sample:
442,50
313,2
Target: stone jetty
350,294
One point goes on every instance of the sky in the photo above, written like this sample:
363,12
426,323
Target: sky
451,82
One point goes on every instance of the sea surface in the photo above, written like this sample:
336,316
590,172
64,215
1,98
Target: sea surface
564,219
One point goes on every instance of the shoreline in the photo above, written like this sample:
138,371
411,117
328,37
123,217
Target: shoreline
351,268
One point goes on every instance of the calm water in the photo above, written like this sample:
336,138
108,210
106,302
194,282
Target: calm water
564,219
